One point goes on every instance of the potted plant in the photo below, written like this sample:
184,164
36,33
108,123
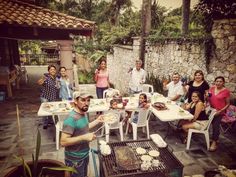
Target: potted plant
39,168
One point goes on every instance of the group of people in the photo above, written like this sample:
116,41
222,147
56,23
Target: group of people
198,94
137,78
76,133
54,86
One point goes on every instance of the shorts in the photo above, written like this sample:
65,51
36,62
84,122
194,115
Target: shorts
200,124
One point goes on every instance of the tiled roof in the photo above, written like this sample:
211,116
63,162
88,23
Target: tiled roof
20,13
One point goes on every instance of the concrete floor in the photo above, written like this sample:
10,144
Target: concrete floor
196,161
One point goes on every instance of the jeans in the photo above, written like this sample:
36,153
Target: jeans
216,127
80,166
100,90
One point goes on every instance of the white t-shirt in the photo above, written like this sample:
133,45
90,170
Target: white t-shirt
137,79
174,89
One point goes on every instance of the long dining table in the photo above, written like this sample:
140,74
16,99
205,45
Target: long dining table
172,113
96,105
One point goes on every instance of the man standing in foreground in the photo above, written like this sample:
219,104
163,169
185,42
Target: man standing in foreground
138,77
75,134
175,88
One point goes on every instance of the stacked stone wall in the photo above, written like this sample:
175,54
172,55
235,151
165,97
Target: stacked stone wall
185,58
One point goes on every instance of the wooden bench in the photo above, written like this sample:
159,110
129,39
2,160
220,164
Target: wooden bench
7,78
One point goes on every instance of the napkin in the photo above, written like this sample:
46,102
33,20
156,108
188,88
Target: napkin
157,139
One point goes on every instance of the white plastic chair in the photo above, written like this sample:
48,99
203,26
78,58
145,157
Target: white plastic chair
110,92
147,88
59,126
143,121
118,124
204,130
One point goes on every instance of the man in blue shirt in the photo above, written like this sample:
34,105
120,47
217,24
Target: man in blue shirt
76,136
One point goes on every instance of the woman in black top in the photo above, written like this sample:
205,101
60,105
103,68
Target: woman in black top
198,84
197,108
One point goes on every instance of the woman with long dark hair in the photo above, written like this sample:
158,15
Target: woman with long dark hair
101,78
219,98
197,84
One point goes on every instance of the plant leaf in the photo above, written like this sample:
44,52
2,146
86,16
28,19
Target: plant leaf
62,168
25,166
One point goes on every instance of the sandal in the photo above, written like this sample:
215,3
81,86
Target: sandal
184,141
213,146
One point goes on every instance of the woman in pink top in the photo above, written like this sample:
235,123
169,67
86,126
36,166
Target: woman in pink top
219,98
101,78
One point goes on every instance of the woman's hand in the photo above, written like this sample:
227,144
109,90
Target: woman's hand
41,81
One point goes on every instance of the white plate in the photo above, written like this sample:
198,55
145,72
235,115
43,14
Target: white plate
154,153
146,158
109,118
140,151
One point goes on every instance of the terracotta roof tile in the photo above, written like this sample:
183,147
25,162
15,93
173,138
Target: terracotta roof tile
17,12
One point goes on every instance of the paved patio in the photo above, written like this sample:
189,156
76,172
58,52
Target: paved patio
196,161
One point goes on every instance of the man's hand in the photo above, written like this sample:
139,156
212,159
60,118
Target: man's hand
89,137
100,119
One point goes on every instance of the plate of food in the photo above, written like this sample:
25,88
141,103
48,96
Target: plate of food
159,106
110,118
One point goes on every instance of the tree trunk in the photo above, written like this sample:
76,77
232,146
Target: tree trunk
185,16
146,27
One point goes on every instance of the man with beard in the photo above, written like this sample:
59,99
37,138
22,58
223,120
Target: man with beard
75,135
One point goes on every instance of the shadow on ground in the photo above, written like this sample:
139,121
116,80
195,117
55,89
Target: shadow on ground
196,161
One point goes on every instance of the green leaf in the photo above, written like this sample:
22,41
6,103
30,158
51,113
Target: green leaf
62,168
25,166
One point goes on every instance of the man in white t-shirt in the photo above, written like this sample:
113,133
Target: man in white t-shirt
138,77
175,88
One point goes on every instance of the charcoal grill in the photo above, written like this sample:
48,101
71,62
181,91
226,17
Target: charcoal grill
169,166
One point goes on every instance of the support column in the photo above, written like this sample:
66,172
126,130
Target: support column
66,57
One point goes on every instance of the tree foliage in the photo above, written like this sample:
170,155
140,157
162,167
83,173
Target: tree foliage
210,10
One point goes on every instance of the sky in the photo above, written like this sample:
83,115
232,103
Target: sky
172,4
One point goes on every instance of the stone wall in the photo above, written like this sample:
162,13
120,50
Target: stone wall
223,61
185,58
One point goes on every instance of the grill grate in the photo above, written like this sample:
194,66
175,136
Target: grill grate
169,165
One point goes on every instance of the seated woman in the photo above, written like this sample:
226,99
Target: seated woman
142,103
197,108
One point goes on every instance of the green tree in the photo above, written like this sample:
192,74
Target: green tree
157,13
215,9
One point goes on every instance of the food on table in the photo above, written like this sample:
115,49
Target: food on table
159,106
154,153
109,118
140,151
146,158
62,105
